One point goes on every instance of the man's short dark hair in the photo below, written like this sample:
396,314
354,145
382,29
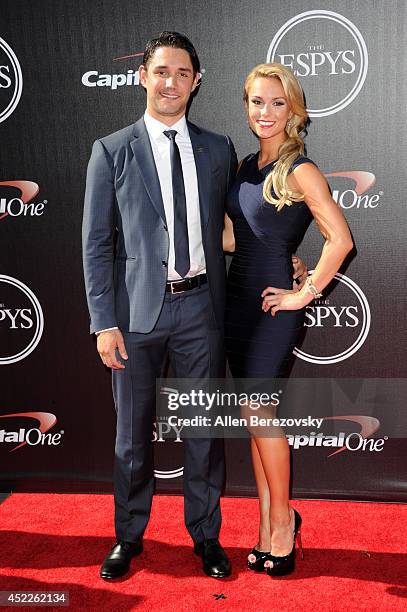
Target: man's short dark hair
172,39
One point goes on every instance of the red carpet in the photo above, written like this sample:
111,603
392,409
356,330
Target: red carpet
355,557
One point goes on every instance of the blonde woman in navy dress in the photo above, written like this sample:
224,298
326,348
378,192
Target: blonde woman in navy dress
277,193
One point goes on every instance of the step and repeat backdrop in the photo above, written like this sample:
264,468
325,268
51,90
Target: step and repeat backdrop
68,75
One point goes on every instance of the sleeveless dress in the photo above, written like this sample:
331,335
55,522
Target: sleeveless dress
257,344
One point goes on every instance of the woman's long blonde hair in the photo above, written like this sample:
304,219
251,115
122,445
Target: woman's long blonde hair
291,148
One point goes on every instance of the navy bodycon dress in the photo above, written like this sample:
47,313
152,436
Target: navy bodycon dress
259,345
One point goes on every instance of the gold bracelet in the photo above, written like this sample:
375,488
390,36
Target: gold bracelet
311,287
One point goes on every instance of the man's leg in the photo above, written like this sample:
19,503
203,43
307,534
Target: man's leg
134,390
197,351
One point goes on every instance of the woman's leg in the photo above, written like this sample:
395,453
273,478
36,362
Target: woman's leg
274,456
264,544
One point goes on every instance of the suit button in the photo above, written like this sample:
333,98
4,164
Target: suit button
164,263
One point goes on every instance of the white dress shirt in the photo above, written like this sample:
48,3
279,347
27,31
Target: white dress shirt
160,145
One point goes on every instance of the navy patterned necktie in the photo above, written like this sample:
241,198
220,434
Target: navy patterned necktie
181,242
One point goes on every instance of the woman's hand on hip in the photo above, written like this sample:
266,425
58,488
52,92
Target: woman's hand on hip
275,299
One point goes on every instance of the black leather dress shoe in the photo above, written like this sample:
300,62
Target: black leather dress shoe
117,562
215,561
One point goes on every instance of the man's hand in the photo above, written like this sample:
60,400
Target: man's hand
107,343
300,273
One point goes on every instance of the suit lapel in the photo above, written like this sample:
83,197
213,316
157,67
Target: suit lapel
203,170
143,154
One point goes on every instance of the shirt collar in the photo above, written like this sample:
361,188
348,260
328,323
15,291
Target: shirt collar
155,128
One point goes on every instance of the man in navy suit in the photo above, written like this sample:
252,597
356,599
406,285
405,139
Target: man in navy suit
155,281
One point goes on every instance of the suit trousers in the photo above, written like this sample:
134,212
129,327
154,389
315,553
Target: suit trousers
187,331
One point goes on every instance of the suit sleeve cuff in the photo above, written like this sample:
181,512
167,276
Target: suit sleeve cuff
103,330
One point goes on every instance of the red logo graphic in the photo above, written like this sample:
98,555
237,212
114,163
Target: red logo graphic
140,54
369,425
28,190
363,180
46,421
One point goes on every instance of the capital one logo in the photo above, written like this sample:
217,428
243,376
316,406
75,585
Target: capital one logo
328,54
355,198
114,81
21,320
19,436
96,78
21,205
11,80
355,441
338,325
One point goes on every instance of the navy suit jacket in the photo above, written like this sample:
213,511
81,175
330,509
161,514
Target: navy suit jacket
125,237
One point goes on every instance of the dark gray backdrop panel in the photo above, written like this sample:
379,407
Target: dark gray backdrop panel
48,138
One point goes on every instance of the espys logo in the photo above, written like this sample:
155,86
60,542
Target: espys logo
355,441
327,52
20,206
342,320
31,436
355,198
21,320
11,81
161,432
93,78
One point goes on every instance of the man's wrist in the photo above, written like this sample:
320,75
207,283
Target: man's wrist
105,330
